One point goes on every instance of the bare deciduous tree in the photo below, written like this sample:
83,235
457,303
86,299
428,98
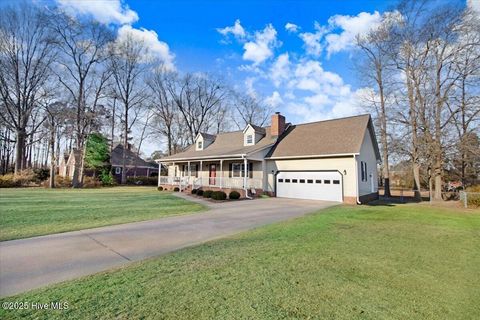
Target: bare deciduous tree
82,72
250,109
27,52
129,64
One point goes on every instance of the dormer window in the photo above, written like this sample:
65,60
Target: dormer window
252,134
200,145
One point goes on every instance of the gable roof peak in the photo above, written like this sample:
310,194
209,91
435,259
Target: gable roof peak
206,136
256,128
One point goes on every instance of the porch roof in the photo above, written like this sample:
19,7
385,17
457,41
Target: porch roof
226,145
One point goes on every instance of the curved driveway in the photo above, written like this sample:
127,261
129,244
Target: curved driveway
35,262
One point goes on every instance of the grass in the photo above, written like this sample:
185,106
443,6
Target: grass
378,262
31,212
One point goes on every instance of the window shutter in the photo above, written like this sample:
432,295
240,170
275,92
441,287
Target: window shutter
250,170
363,172
366,173
230,170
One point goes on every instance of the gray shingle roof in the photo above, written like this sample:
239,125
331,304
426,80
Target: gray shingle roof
226,144
328,137
116,158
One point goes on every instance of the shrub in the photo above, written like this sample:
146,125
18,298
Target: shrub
91,182
9,181
160,188
142,180
200,192
194,191
106,178
207,194
25,178
473,200
475,188
234,195
41,174
176,189
60,182
219,195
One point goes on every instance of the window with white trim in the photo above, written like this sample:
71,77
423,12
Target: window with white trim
237,170
200,145
249,139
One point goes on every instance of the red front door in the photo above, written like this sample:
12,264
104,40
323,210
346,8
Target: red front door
212,174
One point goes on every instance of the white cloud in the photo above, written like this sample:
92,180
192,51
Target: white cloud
157,49
104,11
474,5
349,27
319,94
312,41
249,82
291,27
274,100
236,30
280,69
261,48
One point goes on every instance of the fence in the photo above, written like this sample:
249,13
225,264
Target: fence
470,199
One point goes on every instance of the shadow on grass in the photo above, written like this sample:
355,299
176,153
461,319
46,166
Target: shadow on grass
395,200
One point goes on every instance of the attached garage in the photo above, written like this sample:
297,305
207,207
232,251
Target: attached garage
314,185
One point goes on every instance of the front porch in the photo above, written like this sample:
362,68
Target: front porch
224,174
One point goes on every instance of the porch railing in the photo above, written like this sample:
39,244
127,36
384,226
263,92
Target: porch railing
234,183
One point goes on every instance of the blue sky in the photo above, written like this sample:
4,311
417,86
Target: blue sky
295,56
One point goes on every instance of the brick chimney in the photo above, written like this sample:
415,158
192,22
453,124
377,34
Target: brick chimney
278,124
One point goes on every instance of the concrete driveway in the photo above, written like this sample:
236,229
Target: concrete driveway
35,262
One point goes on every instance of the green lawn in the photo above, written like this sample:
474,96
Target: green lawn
32,212
377,262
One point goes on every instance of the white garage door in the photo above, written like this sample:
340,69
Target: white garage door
310,185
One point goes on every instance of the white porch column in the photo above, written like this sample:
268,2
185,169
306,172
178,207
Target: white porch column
221,174
189,172
201,172
264,174
245,173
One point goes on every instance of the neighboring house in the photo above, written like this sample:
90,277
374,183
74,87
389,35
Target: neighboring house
67,163
135,165
62,166
332,160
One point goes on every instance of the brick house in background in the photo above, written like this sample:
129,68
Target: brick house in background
67,163
135,165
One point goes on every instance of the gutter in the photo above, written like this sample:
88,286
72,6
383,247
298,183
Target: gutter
356,179
333,155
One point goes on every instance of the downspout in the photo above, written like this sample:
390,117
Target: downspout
245,178
356,179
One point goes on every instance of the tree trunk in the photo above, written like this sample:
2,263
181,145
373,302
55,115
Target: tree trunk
52,157
20,151
383,137
414,128
125,146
